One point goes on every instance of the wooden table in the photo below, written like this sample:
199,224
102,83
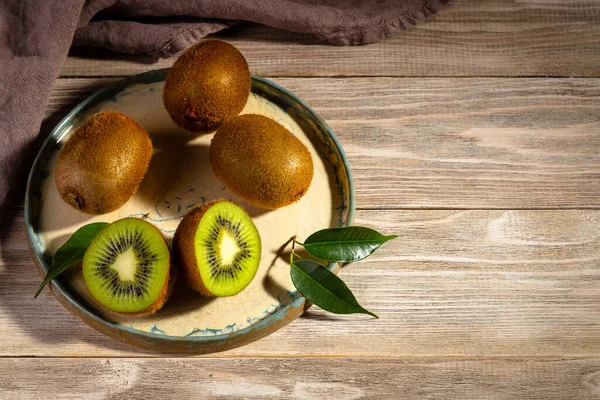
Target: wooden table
475,137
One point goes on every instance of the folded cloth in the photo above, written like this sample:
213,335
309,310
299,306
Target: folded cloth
165,27
35,36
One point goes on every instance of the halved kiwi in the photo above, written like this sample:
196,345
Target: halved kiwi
126,267
218,249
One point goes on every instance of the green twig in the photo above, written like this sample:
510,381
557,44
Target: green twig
292,254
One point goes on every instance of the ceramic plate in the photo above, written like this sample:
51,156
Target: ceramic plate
180,178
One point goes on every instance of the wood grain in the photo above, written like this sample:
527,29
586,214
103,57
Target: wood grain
490,303
313,379
468,38
456,283
487,143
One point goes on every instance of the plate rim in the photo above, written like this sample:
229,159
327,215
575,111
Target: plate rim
229,340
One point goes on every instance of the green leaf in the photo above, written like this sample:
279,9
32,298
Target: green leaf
71,252
323,288
349,244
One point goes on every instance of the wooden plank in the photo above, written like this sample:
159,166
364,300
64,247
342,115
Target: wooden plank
468,38
285,378
456,283
493,143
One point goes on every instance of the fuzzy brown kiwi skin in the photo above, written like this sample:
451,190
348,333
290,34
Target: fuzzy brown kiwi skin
208,84
261,161
185,250
103,163
162,298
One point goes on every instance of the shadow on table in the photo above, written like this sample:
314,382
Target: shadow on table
316,316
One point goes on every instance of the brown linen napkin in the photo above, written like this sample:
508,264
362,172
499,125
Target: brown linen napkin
35,36
165,27
34,39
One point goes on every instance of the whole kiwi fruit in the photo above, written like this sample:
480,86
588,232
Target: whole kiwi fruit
103,163
217,248
207,85
261,161
127,268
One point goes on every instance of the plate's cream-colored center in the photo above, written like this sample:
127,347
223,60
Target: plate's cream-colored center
180,178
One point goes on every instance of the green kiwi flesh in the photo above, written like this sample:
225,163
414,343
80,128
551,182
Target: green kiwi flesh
219,249
208,84
126,267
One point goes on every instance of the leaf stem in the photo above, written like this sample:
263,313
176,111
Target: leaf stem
292,253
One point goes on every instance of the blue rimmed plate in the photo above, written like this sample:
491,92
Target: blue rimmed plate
180,178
